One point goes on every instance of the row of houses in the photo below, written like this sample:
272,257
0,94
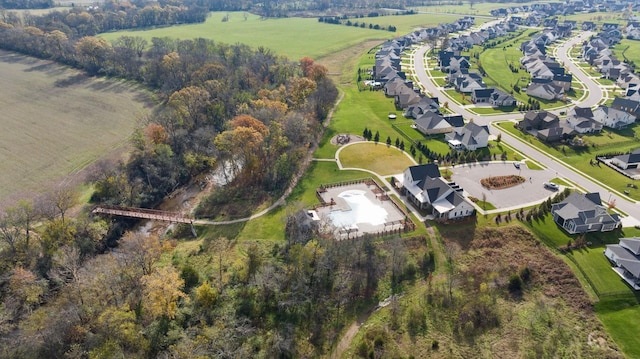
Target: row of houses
580,120
457,67
596,53
549,80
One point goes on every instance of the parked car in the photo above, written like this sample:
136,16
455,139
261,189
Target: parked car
551,185
516,165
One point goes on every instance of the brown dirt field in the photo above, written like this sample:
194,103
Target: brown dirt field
340,65
56,121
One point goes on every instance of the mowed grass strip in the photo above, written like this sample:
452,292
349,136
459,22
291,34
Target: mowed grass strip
379,158
292,37
623,325
55,121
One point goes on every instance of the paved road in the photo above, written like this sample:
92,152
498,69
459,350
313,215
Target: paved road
623,203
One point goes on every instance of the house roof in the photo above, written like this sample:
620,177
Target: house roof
633,157
621,252
632,266
632,244
584,209
455,120
483,92
431,120
420,172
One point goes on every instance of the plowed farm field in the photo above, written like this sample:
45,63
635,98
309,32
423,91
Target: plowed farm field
55,121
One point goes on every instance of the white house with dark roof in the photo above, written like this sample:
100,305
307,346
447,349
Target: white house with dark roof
625,256
627,161
612,117
547,91
581,213
470,137
424,187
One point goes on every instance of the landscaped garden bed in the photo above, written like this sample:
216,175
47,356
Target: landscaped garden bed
501,182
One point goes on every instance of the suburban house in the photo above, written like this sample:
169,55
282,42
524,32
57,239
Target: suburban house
582,121
470,137
424,187
612,117
627,161
426,104
466,83
432,123
494,97
626,105
547,91
625,256
538,120
581,213
502,99
555,134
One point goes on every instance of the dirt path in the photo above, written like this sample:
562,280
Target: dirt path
347,337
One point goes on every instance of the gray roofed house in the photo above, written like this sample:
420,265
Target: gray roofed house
581,213
431,123
546,91
454,120
627,161
481,95
538,120
424,187
470,137
624,256
612,117
423,106
502,99
554,134
626,105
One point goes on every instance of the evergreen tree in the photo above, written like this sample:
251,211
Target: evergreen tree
376,138
388,141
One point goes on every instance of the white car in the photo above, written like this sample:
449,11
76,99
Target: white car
551,185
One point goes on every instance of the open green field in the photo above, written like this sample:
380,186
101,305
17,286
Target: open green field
605,142
466,8
284,35
379,158
56,121
628,49
496,61
598,17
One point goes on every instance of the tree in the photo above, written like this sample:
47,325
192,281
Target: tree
61,200
376,138
142,250
161,290
388,140
94,54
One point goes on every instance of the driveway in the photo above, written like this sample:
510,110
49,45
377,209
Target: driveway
532,191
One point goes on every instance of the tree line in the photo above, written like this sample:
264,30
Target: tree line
109,16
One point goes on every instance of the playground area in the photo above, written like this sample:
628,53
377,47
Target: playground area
359,207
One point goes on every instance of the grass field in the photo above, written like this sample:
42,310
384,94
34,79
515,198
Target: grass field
284,35
56,121
628,49
379,158
623,324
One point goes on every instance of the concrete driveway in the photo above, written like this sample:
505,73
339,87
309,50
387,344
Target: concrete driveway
532,191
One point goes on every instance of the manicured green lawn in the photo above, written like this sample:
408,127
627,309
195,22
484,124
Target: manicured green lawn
606,142
623,324
458,97
598,269
466,9
379,158
629,49
359,109
598,17
408,132
440,81
496,61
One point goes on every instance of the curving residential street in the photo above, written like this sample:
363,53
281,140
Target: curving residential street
595,93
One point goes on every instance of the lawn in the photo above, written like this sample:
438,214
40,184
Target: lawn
358,109
283,35
605,142
598,17
47,133
379,158
466,9
623,324
496,61
628,49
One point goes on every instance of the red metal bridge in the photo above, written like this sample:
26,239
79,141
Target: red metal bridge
143,213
